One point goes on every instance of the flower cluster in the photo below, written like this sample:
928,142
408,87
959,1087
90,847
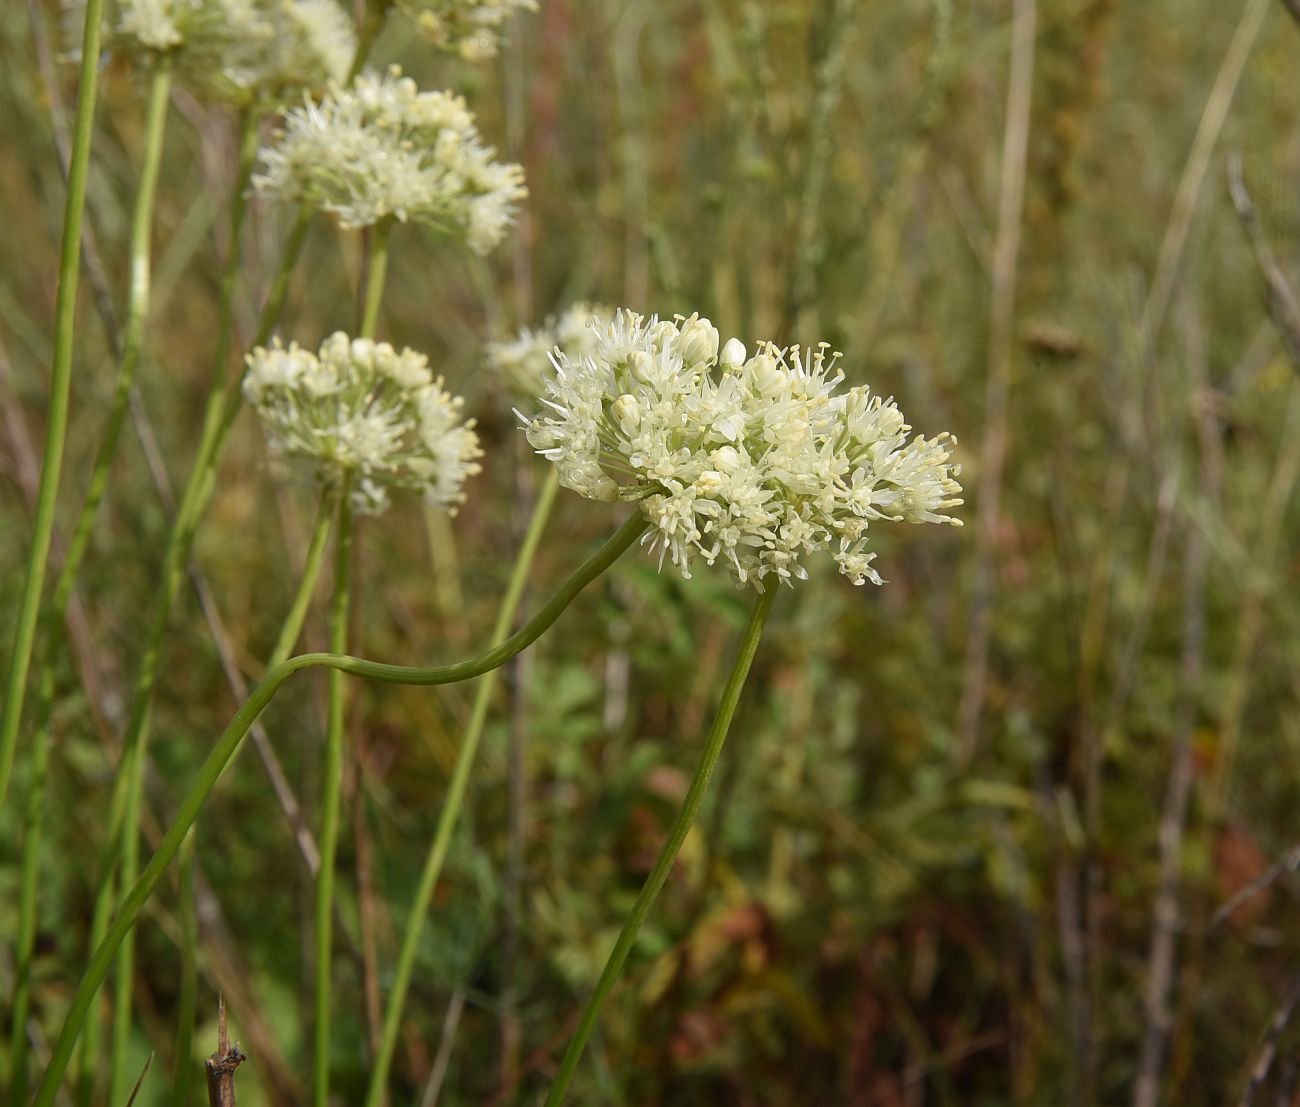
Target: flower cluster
239,51
384,148
471,28
363,411
524,362
757,461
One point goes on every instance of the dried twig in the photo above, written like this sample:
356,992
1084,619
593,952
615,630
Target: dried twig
1283,307
1268,1052
221,1066
1288,864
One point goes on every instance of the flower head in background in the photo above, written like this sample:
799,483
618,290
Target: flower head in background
362,410
238,51
470,28
524,362
384,148
756,461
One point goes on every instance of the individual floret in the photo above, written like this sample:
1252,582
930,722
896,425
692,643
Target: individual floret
384,148
361,411
757,461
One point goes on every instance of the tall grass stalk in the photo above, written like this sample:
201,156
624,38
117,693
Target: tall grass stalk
668,854
184,1070
231,739
330,803
451,807
56,430
135,741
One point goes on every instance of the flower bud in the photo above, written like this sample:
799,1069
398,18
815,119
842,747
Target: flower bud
733,354
642,365
626,413
698,342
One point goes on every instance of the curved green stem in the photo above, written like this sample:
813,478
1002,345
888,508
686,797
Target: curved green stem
377,273
455,797
135,741
668,854
225,748
330,802
56,431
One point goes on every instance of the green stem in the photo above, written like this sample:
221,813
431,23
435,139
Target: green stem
371,24
137,313
377,272
135,740
455,797
311,568
225,748
132,340
185,1069
56,431
676,836
27,910
330,802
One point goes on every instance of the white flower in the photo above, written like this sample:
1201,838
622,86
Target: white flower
240,51
384,148
757,462
472,28
363,411
524,361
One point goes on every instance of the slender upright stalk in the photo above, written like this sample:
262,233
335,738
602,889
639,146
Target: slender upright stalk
455,798
173,572
676,836
228,744
184,1069
330,800
376,274
27,901
56,429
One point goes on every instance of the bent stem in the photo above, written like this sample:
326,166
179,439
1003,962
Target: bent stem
135,740
676,836
455,798
56,430
330,801
225,748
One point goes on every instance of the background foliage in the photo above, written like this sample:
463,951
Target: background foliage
876,909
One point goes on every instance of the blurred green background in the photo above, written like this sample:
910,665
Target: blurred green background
929,868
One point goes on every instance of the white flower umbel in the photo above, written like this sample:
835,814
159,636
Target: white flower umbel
384,148
362,410
471,28
524,362
757,461
238,51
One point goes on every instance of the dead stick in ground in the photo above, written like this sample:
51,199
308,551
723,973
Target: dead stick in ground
221,1066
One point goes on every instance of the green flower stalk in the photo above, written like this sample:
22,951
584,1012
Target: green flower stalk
330,804
65,311
668,854
451,807
229,743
